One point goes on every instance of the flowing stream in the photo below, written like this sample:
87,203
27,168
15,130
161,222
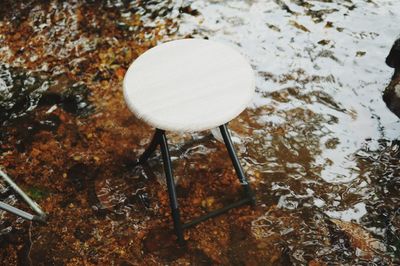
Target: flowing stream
317,141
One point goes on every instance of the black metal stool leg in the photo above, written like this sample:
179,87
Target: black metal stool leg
161,139
171,187
151,148
236,163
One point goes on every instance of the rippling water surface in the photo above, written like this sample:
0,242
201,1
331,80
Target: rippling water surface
322,141
317,141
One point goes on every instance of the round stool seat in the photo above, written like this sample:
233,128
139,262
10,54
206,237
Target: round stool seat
189,85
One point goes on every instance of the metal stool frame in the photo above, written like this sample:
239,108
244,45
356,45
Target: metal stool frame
160,138
40,215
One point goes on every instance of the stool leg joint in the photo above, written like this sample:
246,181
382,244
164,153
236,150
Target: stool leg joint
151,148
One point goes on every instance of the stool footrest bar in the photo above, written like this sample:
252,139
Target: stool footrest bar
217,212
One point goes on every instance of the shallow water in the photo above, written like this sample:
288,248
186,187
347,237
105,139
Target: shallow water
323,143
317,141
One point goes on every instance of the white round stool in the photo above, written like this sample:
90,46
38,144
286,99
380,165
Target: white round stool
189,85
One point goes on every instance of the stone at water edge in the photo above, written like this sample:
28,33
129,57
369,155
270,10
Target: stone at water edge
393,58
391,95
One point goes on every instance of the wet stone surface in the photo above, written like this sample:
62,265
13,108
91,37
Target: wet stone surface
318,143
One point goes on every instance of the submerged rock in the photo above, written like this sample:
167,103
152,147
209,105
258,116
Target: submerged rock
70,95
366,244
22,91
391,95
28,99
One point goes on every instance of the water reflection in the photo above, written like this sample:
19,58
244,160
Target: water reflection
317,143
317,117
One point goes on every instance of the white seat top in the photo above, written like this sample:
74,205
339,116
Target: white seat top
189,85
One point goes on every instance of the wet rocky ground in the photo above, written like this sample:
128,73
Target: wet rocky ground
68,139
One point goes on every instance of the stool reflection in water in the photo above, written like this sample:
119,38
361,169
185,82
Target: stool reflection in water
186,86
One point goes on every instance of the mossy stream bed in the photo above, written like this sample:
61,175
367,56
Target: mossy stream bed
317,142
